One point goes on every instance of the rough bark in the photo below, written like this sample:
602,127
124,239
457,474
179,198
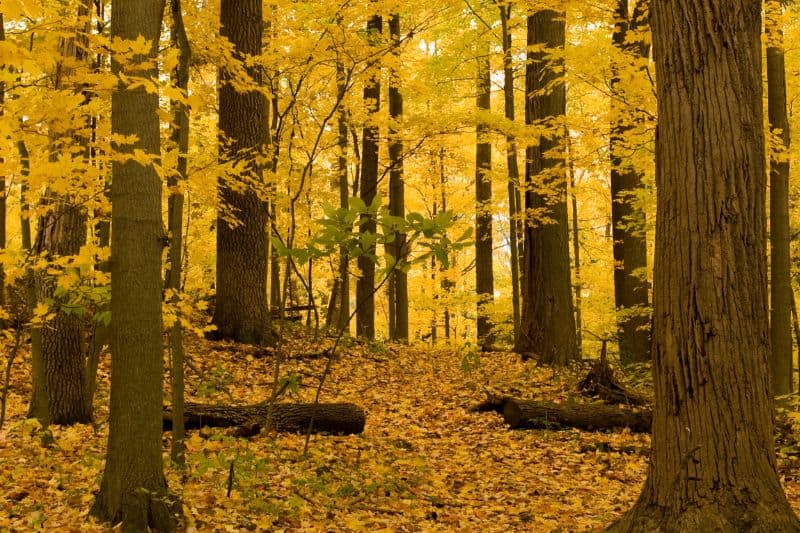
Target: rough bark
512,164
548,320
343,303
398,303
712,463
337,418
484,276
62,233
365,285
630,245
529,414
133,489
779,234
241,311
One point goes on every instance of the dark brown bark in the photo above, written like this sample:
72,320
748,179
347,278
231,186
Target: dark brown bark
576,249
779,234
712,462
484,247
513,165
630,245
548,321
241,310
343,303
365,286
337,418
398,303
133,489
529,414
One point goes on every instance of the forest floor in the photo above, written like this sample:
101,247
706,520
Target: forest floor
426,461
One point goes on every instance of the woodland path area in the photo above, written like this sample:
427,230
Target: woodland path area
425,462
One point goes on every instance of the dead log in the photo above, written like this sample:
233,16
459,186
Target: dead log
601,382
336,418
529,414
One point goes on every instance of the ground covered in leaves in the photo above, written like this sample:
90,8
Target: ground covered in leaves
426,461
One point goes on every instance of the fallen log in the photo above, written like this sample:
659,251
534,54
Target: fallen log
601,382
336,418
529,414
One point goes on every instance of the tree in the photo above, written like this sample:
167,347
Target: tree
630,245
484,248
779,235
241,312
398,282
365,285
712,465
133,489
61,234
548,322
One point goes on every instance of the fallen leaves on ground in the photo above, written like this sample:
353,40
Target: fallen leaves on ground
426,461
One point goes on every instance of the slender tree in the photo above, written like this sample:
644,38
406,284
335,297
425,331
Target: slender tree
512,163
712,464
548,321
484,275
779,236
630,245
241,312
398,282
365,286
133,489
2,184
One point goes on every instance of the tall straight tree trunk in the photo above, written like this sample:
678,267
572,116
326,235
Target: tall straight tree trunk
62,233
397,203
630,245
241,311
780,260
576,247
365,286
180,138
712,464
2,186
513,166
548,322
344,196
133,489
484,275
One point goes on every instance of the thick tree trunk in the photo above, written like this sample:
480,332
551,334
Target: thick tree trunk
336,418
397,203
630,245
779,234
548,321
484,247
712,464
241,310
133,489
528,414
365,285
513,165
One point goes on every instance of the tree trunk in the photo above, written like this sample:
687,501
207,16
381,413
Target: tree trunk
241,312
548,321
397,203
365,286
484,276
513,166
2,188
180,138
529,414
62,233
712,465
133,489
576,249
779,234
337,418
343,303
630,245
